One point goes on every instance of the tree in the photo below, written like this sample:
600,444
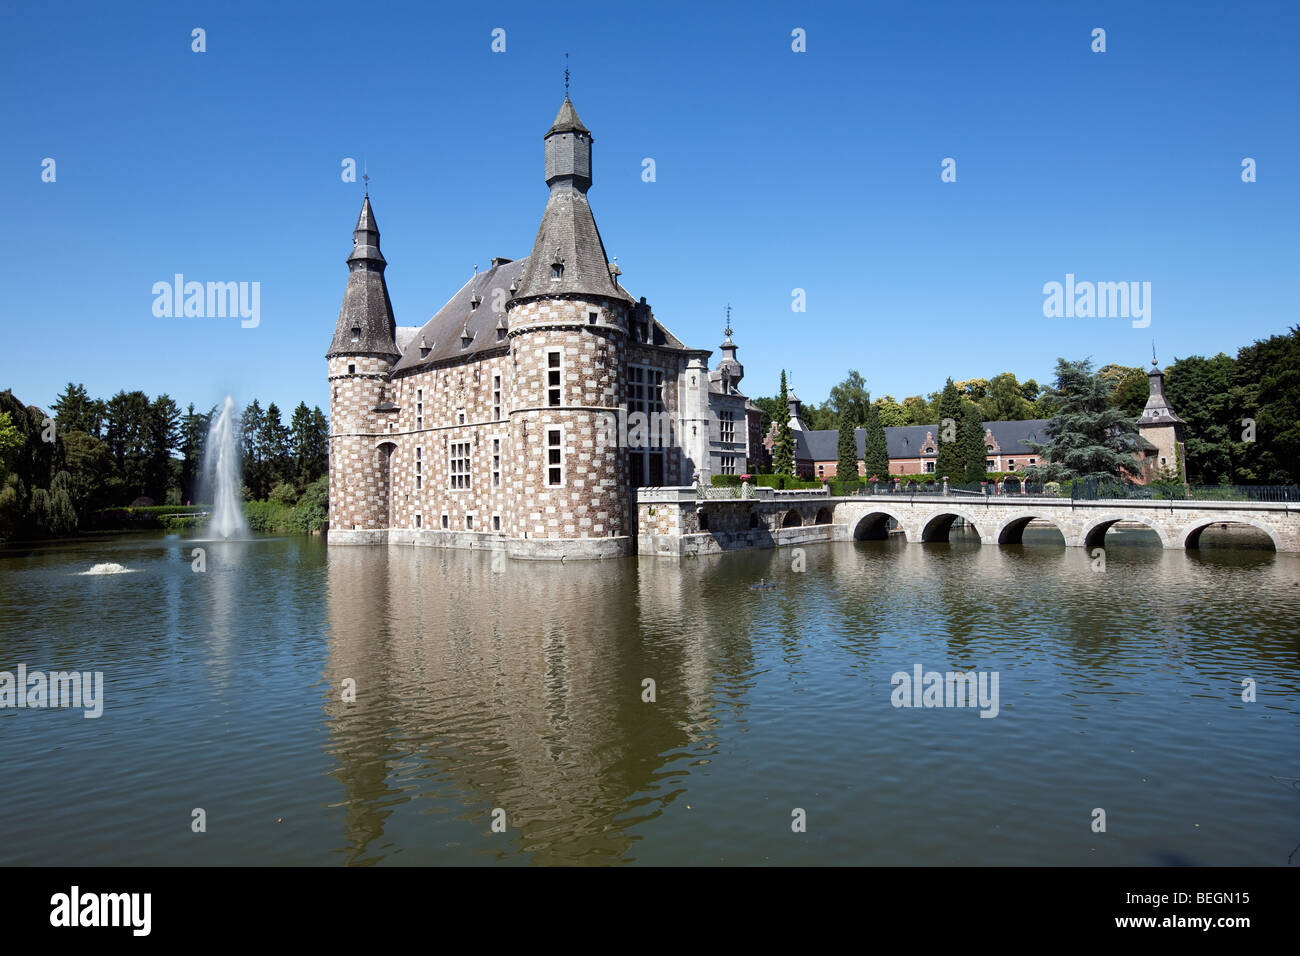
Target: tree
88,468
273,443
891,413
846,468
250,430
127,428
850,398
875,450
164,425
193,444
1088,438
75,411
973,448
783,452
11,439
320,461
922,411
1267,391
949,461
1131,390
1005,401
1201,392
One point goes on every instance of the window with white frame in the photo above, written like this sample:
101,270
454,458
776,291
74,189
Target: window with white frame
727,425
554,373
459,465
645,395
554,456
496,463
728,464
929,467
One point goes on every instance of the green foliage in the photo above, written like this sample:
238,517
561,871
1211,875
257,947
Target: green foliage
875,450
1088,438
284,494
850,399
783,451
846,467
11,439
950,460
892,414
725,481
971,441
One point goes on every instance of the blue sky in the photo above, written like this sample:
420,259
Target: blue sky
775,170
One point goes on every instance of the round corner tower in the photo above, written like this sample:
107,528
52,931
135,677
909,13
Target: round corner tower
360,358
568,325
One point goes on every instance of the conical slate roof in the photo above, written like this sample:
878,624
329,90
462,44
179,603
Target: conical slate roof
568,237
366,325
566,120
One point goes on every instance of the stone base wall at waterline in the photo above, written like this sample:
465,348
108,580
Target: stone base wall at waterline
527,549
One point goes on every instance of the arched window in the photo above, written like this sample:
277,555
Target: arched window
557,270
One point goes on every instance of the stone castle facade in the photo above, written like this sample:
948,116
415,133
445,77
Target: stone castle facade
523,416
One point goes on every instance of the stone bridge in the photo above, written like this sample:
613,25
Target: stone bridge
674,521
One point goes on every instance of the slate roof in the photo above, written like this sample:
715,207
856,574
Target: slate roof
906,441
566,120
442,333
366,306
568,235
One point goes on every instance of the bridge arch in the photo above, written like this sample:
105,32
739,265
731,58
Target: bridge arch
873,525
823,516
1191,536
791,519
937,526
1094,532
1012,530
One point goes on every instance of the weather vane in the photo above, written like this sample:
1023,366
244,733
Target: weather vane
727,330
566,76
365,174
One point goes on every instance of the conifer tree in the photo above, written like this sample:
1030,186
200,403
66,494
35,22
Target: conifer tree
875,450
972,445
783,453
846,468
949,460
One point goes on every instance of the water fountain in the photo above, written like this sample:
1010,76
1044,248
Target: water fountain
221,474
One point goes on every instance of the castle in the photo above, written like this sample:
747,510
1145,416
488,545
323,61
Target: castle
523,416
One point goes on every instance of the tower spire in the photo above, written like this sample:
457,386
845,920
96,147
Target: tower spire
366,325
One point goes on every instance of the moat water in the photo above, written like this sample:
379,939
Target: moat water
520,687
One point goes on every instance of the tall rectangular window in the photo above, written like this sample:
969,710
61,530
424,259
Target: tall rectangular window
496,398
419,465
496,463
459,469
419,408
554,456
727,424
729,465
645,394
554,371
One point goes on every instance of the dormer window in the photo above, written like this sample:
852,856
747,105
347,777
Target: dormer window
988,449
557,270
356,333
474,301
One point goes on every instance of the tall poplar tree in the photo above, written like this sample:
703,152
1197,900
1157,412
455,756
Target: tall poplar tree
783,453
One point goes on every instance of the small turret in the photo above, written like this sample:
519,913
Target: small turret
365,325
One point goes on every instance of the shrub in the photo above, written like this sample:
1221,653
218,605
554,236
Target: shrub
283,494
1052,489
726,481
